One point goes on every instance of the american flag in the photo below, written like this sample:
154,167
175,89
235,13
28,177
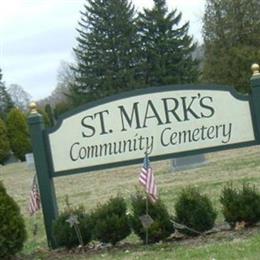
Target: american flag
34,200
146,178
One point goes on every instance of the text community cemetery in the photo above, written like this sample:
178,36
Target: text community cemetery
172,111
146,143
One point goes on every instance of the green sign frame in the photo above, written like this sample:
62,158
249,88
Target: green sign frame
42,148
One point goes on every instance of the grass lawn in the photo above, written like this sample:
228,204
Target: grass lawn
238,166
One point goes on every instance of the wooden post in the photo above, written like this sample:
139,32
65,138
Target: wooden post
45,181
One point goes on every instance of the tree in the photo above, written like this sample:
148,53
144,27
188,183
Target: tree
66,80
166,47
231,31
4,143
61,93
5,100
45,117
106,59
19,96
18,133
12,226
49,112
61,108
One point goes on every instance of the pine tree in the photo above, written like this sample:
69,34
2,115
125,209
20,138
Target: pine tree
106,52
12,227
231,31
45,117
49,112
4,142
166,47
5,100
18,133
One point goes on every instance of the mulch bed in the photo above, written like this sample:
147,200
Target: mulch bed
218,234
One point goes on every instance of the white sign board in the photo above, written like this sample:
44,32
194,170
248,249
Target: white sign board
160,123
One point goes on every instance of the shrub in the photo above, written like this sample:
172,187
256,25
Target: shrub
4,143
195,211
161,227
240,205
18,133
110,221
12,227
66,235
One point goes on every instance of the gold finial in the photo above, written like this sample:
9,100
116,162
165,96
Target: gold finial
33,108
255,69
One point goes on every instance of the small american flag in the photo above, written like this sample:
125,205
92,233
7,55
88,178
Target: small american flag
34,200
146,178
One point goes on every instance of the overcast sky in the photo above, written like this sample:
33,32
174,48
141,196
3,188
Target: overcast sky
36,35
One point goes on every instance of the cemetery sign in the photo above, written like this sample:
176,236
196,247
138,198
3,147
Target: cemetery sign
164,122
160,121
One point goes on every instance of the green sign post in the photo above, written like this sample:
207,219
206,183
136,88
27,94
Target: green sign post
45,180
164,122
255,95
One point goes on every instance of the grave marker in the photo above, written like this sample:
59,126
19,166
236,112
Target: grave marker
188,162
30,161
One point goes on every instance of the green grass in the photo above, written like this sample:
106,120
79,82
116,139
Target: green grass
238,166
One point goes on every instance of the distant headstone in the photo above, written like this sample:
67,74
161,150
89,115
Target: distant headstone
11,159
188,162
30,161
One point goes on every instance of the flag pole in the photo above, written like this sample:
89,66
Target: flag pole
146,210
147,213
146,179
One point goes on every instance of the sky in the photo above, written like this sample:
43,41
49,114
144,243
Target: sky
37,35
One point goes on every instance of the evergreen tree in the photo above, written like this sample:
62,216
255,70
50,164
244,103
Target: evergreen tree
231,31
106,57
12,226
60,108
4,142
49,112
166,47
18,133
45,117
5,100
